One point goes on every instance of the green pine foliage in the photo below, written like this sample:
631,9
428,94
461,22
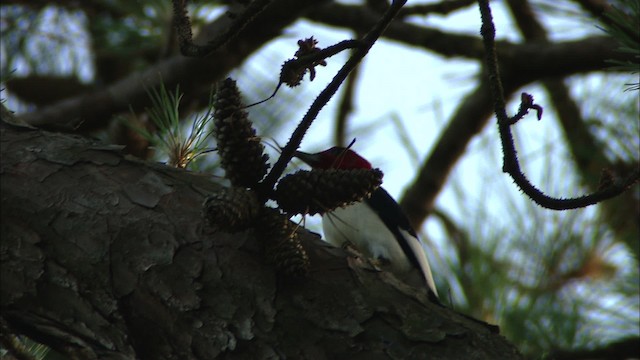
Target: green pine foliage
180,142
624,26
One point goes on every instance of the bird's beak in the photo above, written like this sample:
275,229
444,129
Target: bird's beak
310,159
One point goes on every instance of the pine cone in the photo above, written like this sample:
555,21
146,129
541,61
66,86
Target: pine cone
319,191
231,209
292,73
241,153
282,244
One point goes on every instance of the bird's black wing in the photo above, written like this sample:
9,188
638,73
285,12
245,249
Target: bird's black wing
394,218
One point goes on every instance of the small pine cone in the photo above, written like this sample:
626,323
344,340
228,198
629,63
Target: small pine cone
292,73
231,209
282,244
319,191
241,153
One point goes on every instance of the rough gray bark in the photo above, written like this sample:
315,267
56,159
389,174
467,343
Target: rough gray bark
106,256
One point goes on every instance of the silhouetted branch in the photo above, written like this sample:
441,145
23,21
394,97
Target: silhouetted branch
587,152
510,159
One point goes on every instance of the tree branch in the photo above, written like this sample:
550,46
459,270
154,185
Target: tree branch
510,160
521,65
107,256
587,152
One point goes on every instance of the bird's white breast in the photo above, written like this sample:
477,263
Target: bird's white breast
362,227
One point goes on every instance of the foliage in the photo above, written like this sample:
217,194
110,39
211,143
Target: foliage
624,26
550,280
169,136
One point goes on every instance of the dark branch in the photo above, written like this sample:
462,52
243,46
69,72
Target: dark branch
510,159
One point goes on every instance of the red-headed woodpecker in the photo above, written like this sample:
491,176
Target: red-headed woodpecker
376,226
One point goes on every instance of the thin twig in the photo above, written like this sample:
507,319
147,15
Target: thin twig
510,158
307,61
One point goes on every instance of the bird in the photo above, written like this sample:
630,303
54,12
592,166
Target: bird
376,226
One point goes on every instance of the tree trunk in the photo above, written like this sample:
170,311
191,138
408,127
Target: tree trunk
106,256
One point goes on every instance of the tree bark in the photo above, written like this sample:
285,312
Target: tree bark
107,256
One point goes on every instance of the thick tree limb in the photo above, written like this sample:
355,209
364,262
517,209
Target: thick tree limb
105,256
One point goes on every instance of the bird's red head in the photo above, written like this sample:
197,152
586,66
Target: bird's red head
334,158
